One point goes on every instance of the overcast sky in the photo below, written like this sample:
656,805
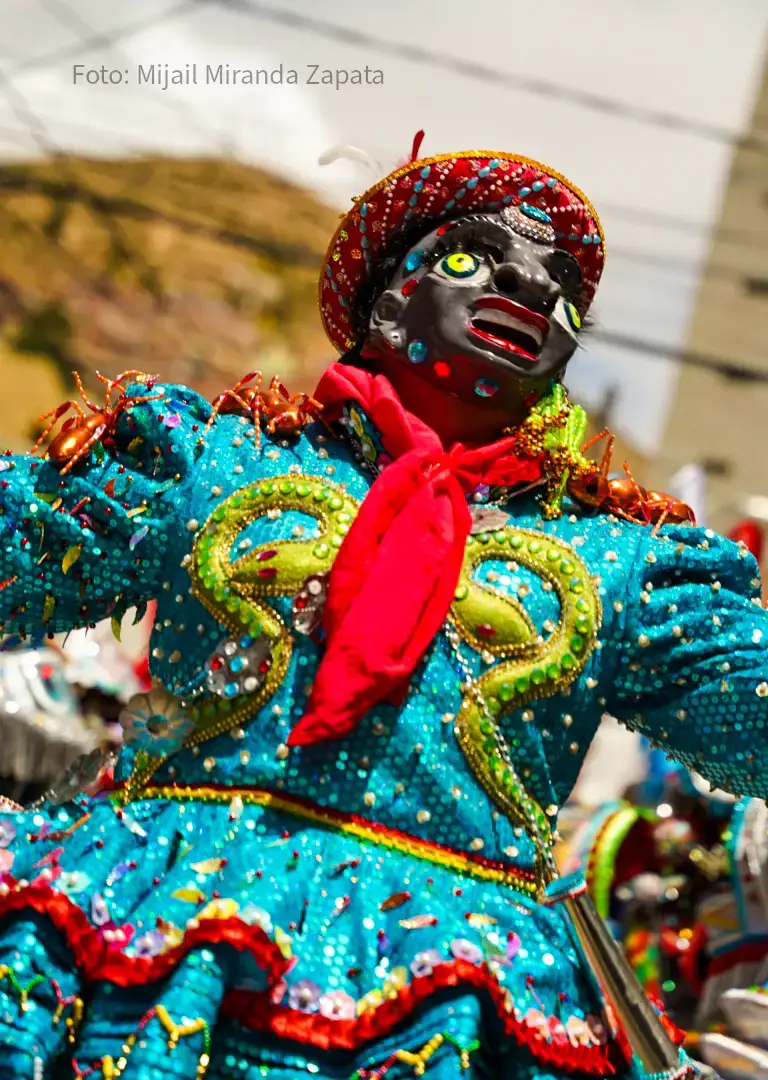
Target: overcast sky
699,59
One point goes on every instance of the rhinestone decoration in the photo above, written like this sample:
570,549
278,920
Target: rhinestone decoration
238,666
307,605
533,226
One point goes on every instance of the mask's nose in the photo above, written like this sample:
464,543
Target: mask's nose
527,281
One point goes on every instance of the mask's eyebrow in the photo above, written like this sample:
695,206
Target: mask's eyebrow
492,234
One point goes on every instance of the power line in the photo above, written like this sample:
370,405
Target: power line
109,208
89,38
133,208
737,238
101,39
458,65
674,223
730,369
118,205
63,13
678,267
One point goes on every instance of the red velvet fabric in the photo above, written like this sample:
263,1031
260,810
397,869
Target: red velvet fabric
395,575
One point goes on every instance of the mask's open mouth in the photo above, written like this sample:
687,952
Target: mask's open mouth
510,326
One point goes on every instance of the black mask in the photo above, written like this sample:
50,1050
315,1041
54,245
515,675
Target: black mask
483,305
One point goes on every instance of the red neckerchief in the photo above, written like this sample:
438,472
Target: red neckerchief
395,575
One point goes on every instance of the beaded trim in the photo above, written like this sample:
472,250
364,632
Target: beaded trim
536,669
351,825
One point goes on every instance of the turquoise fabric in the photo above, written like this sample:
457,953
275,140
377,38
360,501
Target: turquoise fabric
680,657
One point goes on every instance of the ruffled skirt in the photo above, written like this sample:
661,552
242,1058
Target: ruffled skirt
214,933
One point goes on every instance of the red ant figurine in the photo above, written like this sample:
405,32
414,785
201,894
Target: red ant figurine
78,434
285,414
623,496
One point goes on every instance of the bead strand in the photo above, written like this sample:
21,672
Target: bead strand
525,806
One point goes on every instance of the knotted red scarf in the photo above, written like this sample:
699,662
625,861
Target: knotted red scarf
396,573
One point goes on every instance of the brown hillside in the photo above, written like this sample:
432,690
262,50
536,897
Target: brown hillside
195,270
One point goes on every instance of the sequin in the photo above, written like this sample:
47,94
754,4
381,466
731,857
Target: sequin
304,893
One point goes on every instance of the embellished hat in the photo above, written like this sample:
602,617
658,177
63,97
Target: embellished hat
427,191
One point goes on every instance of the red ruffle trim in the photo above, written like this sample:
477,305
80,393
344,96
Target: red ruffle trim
257,1012
98,963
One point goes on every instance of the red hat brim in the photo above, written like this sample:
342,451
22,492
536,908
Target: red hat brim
424,193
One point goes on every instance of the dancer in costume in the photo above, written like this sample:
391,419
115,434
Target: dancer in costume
653,875
694,920
383,643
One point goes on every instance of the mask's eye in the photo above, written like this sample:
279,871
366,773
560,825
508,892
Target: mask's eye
462,266
565,270
568,317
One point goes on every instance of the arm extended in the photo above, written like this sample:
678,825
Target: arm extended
84,545
693,664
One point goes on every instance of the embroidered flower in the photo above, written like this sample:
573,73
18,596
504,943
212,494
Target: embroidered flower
256,916
537,1021
221,908
557,1031
337,1005
155,722
172,935
73,883
6,861
7,833
304,996
578,1032
115,936
424,963
465,950
150,944
597,1030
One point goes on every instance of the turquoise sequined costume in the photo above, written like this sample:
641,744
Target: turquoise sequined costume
237,909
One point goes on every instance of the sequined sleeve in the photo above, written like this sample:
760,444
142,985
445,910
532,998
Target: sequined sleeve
82,547
693,671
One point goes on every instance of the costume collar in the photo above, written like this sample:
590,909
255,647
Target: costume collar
365,440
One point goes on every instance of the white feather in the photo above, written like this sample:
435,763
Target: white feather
350,153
